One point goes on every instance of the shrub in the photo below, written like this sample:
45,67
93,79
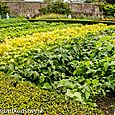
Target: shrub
57,7
109,10
3,10
52,16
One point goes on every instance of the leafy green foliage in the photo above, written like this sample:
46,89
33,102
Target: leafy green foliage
58,7
18,27
81,67
109,10
3,9
52,16
18,94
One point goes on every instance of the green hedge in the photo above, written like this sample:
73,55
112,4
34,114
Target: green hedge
73,21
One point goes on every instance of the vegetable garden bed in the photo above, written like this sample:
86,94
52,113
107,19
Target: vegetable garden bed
73,61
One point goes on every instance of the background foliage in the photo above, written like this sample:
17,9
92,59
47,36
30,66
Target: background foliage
109,10
58,7
3,9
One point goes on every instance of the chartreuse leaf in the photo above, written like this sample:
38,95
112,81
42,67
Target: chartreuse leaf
87,94
66,83
46,86
74,94
112,63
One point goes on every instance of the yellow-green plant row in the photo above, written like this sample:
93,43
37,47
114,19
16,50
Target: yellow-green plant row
20,27
43,38
19,95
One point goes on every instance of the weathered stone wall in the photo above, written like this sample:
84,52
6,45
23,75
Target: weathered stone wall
24,8
86,8
32,8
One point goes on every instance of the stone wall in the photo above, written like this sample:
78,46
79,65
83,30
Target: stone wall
32,8
86,8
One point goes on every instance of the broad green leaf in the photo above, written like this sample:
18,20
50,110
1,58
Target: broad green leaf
46,86
112,63
87,94
74,93
90,71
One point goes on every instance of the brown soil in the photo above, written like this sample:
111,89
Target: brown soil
107,104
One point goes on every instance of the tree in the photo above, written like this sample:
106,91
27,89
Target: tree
58,7
3,9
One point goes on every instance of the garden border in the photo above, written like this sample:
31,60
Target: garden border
74,21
